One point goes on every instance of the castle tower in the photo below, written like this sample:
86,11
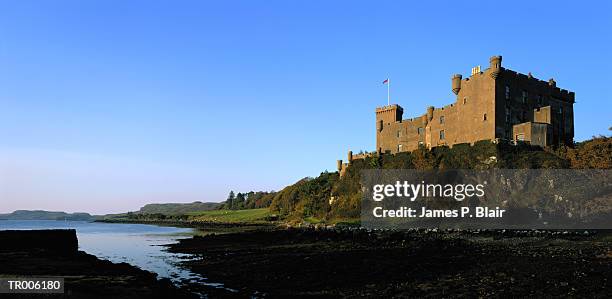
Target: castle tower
456,83
495,66
387,115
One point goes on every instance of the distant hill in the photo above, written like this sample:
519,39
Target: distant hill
45,215
178,208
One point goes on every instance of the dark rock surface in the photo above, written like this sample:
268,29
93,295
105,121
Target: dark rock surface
55,240
328,263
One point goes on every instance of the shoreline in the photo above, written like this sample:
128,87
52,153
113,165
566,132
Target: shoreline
204,226
85,275
347,263
238,260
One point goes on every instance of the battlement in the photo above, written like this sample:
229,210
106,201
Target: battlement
342,167
550,85
388,114
388,108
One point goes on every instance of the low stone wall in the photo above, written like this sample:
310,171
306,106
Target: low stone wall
62,241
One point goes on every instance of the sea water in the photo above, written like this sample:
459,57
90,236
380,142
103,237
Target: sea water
138,244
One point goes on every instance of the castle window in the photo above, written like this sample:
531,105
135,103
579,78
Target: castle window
420,131
484,117
399,148
525,96
540,99
399,133
442,119
464,101
507,92
441,134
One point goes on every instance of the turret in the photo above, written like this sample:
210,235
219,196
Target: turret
495,64
350,156
339,165
456,83
552,82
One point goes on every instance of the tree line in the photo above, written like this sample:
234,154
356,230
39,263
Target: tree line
248,200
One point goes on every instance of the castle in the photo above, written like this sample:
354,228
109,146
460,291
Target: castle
495,104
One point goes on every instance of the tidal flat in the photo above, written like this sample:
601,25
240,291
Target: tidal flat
417,263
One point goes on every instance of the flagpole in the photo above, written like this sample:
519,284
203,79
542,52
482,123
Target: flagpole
388,92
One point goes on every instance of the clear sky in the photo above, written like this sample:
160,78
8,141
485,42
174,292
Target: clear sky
108,105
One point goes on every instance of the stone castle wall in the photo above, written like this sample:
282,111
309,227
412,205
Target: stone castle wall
488,106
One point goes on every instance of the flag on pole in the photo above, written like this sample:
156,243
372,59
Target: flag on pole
388,92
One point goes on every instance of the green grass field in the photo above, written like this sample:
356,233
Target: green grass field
251,215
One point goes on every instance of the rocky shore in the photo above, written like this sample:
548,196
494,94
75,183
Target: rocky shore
354,263
204,226
53,253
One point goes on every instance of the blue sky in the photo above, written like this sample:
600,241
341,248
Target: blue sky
108,105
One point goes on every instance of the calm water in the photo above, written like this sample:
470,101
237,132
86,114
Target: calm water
136,244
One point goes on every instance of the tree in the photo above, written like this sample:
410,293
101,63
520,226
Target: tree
239,201
230,200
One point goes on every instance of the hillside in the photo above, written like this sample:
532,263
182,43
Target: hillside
45,215
178,208
310,198
232,216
